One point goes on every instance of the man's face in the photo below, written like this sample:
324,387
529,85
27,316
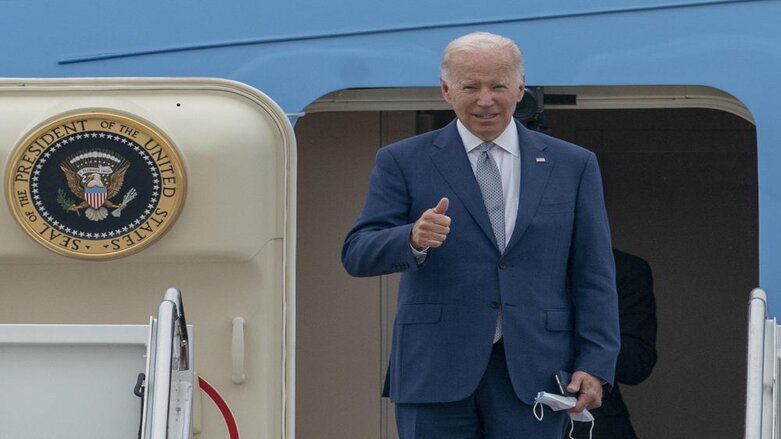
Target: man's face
483,90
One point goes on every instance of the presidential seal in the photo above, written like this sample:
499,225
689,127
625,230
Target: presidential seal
95,185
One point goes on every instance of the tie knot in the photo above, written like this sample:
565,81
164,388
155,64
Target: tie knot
485,146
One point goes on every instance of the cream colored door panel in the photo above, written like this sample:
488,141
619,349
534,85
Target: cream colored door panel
230,250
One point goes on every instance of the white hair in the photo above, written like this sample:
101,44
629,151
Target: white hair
481,42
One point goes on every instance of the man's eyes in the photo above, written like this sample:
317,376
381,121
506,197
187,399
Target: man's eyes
474,87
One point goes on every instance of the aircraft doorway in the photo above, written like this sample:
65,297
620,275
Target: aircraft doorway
681,188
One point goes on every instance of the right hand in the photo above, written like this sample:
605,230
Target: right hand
431,229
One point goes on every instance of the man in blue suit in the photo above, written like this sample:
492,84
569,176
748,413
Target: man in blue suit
503,243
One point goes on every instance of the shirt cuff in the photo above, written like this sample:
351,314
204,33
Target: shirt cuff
420,255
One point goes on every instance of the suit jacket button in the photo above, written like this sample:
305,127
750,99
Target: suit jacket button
502,265
495,305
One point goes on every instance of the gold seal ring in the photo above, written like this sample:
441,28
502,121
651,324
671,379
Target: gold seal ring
95,184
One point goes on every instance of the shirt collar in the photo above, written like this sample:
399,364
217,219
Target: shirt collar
508,140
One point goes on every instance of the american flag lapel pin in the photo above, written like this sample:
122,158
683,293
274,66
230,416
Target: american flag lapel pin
540,160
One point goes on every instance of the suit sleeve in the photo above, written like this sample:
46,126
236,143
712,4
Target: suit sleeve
378,242
592,280
637,316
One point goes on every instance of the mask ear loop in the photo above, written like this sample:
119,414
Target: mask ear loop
572,429
542,411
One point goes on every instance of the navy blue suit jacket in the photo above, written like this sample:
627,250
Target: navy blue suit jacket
555,281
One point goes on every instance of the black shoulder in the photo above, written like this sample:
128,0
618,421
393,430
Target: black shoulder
626,262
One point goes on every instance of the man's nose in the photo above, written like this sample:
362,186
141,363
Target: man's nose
485,97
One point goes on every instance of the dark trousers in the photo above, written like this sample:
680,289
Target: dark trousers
493,411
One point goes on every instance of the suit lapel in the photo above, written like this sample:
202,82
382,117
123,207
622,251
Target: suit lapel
536,168
450,159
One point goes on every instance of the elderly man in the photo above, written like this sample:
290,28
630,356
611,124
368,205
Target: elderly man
503,243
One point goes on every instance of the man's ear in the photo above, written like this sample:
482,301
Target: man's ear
522,86
445,89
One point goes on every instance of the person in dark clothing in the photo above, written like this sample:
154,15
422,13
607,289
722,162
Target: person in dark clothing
636,360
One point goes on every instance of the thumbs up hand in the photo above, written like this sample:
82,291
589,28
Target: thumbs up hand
431,229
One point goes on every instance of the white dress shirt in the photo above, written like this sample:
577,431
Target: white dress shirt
508,160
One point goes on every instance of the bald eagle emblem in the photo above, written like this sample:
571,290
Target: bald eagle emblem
95,176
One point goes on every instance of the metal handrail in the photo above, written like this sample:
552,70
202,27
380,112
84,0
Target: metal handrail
161,388
181,351
168,366
760,375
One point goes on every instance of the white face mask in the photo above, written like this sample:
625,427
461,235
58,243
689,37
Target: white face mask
557,403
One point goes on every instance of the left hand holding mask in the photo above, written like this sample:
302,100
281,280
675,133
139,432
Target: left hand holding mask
557,403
